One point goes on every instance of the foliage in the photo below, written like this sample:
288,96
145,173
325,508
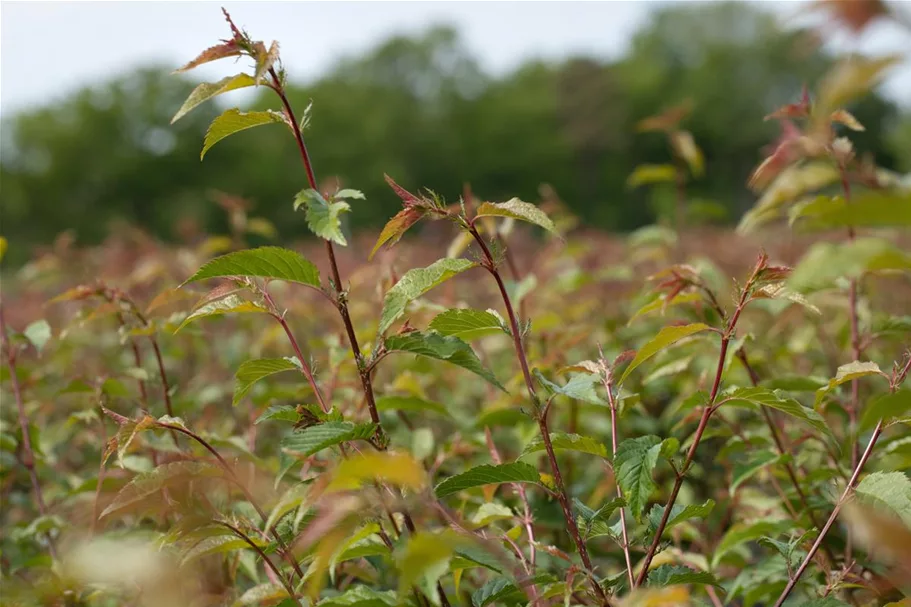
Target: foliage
653,428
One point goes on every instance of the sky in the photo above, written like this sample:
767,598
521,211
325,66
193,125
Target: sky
49,49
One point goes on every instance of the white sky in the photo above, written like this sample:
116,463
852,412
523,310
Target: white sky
48,49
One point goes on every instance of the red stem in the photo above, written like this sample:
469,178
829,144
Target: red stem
28,455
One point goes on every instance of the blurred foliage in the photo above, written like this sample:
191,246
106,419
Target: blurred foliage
422,110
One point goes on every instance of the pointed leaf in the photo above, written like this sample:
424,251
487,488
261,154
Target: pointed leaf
826,261
252,371
450,349
679,514
218,544
568,442
517,472
467,324
415,283
150,483
594,523
393,468
264,262
396,227
581,386
741,533
847,373
634,462
227,305
213,53
672,575
886,407
39,333
233,121
314,439
265,60
362,596
665,338
208,90
756,461
773,398
516,209
285,413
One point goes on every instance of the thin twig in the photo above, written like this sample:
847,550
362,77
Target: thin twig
287,584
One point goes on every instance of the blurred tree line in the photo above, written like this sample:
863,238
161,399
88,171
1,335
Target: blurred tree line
422,110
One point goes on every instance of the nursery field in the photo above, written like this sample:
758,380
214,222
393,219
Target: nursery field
485,403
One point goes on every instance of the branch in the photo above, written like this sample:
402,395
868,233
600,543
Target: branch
265,559
541,418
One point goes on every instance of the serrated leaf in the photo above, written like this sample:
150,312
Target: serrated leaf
252,371
285,413
493,590
774,399
314,439
149,483
467,324
213,53
679,514
233,121
847,373
516,209
323,217
393,468
409,403
826,261
890,491
594,523
126,433
672,575
568,442
208,90
886,407
273,263
263,594
38,333
651,173
450,349
396,227
265,60
226,305
362,596
417,282
661,303
634,462
742,533
755,462
665,338
580,386
517,472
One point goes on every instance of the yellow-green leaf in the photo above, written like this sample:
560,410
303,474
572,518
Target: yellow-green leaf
208,90
233,121
667,337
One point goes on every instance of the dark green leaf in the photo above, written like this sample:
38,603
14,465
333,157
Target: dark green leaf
568,442
886,407
450,349
634,462
265,262
409,403
467,324
671,575
314,439
252,371
774,399
517,472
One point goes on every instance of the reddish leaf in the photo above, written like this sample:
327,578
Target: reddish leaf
213,53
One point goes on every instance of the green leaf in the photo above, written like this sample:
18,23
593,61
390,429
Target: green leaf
350,193
679,514
450,349
581,386
150,483
39,333
634,462
826,261
493,590
233,121
846,373
274,263
227,305
516,209
396,227
594,523
362,596
467,324
208,90
285,413
252,371
651,173
826,601
262,594
490,512
756,461
742,533
886,407
774,399
661,303
424,560
868,209
415,283
665,338
409,403
218,544
314,439
517,472
323,217
568,442
671,575
890,491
